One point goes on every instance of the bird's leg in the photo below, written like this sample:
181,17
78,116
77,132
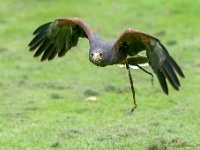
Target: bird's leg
132,87
146,72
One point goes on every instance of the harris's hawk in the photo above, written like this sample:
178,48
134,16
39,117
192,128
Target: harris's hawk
59,36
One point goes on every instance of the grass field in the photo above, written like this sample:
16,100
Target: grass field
43,104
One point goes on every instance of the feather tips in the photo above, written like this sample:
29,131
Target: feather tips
175,66
41,28
162,81
162,61
58,37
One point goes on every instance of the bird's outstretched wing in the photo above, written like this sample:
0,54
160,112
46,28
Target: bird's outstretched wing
58,37
159,59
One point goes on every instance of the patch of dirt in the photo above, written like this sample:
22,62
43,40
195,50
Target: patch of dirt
118,133
158,144
3,49
55,145
52,86
91,98
160,33
116,136
70,133
14,117
56,96
197,63
161,143
115,89
179,142
33,108
155,124
172,42
90,92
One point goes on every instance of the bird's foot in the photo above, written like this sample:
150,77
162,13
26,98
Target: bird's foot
134,107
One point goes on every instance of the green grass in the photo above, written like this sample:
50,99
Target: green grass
42,105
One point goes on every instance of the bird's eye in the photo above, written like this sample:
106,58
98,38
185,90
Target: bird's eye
92,54
123,47
100,54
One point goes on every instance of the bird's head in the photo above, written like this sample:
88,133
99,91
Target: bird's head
100,51
104,57
98,58
103,53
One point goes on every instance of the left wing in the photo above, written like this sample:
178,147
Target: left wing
158,57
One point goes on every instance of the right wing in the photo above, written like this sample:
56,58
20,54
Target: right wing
58,37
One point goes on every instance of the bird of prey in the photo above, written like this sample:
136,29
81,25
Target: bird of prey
59,36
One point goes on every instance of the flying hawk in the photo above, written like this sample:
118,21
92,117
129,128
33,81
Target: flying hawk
59,36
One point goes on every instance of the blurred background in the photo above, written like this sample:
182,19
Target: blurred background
45,105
